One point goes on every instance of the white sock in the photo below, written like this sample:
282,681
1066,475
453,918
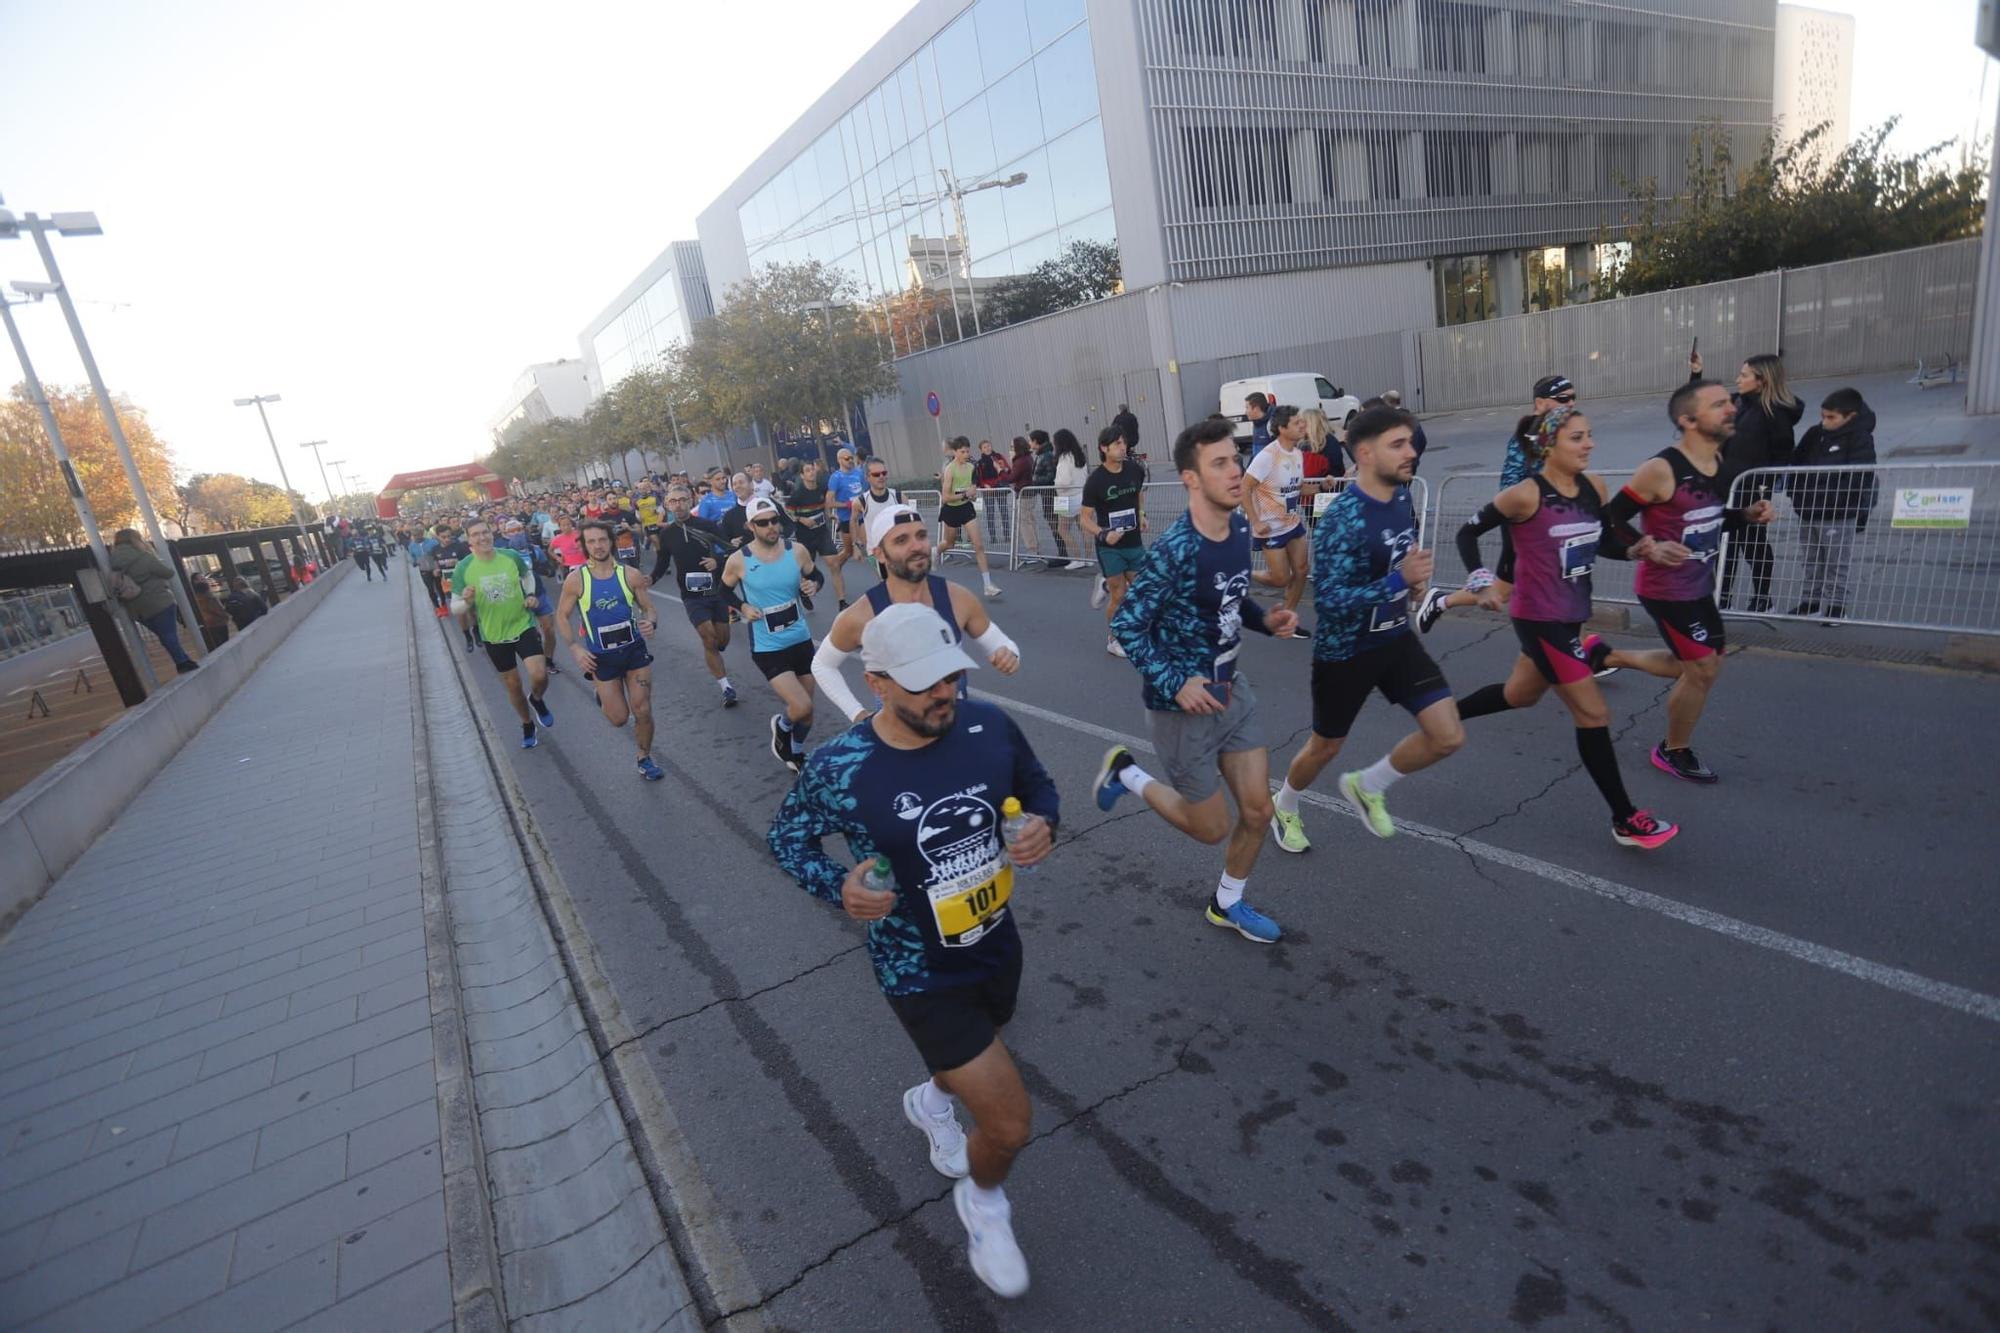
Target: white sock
932,1101
722,682
1229,891
1136,779
1377,777
1287,798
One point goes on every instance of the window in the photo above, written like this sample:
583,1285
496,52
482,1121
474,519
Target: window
1465,289
1547,277
1452,36
1077,172
1066,82
1238,166
1385,174
1050,19
1002,26
1016,114
1458,164
1372,22
1244,28
959,73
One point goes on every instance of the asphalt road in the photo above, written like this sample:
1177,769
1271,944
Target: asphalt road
1506,1072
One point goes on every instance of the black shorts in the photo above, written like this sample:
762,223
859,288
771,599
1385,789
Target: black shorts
953,1025
817,540
705,608
1692,630
506,655
958,515
1556,649
614,663
797,659
1400,668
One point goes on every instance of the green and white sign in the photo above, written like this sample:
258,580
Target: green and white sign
1936,507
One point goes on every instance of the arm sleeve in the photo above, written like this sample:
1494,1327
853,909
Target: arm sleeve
992,641
1145,599
1033,786
832,683
1618,516
801,824
1340,571
1487,519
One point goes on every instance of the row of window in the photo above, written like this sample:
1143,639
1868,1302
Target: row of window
641,332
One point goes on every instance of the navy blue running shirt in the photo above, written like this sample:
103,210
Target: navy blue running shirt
1221,582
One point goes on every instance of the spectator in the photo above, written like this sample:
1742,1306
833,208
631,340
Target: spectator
1258,408
214,620
147,592
1071,472
1832,506
1020,474
1043,478
1767,412
989,473
1322,451
243,606
1128,427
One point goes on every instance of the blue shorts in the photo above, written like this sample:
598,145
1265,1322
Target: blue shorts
613,663
1122,559
702,610
1297,533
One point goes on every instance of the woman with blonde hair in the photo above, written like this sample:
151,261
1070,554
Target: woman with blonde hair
1767,414
1322,449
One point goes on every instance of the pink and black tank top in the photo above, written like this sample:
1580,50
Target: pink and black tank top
1692,516
1554,551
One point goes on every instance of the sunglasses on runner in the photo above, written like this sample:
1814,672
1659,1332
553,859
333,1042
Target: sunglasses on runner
763,522
1564,398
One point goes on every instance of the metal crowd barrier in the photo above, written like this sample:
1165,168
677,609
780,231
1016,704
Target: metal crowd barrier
1460,497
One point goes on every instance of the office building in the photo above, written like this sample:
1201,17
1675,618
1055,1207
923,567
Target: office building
1813,81
657,309
542,392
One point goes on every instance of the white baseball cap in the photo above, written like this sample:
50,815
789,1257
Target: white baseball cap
888,516
761,507
912,645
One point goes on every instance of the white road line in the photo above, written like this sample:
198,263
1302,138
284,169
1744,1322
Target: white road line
1943,993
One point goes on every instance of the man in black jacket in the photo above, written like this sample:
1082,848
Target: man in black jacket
1128,428
1832,506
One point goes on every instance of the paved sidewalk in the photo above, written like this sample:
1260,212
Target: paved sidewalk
218,1107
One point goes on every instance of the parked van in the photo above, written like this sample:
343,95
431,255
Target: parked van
1299,388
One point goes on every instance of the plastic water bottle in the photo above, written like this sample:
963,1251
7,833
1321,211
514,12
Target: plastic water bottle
1012,821
878,876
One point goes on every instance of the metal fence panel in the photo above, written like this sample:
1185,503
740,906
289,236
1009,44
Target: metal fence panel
1462,495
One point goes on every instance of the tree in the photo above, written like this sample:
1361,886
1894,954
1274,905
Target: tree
1085,271
38,509
225,502
1795,205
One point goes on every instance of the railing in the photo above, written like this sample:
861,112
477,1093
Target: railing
1460,497
36,618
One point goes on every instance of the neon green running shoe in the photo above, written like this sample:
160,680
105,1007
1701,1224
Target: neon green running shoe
1374,811
1289,832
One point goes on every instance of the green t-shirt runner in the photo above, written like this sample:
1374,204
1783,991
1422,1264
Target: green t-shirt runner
497,586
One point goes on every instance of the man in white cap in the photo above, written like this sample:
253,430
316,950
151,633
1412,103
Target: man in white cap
922,784
898,538
766,581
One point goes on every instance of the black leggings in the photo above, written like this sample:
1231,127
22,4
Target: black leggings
1055,528
1752,546
433,585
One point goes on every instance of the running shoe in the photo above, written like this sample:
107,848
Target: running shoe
1642,830
469,645
1246,921
946,1139
1108,787
1804,609
993,592
1374,811
442,612
989,1233
781,740
1595,650
529,740
1431,608
649,770
554,670
1077,565
1100,593
542,713
729,696
1834,615
1682,764
843,604
1289,832
1113,647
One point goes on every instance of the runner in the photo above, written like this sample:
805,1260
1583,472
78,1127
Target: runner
495,585
958,512
1275,490
361,557
877,494
424,555
617,615
453,548
766,581
1557,515
567,544
897,537
842,485
1366,567
1114,514
378,551
1520,461
1181,625
921,783
696,557
719,500
807,507
1682,493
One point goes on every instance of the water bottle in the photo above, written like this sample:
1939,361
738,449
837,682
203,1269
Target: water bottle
878,876
1012,820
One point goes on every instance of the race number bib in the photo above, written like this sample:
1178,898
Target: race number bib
966,908
1702,532
1123,520
781,617
701,581
1579,555
1292,498
615,636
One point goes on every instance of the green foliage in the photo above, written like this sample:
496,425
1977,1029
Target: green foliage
1797,204
1085,271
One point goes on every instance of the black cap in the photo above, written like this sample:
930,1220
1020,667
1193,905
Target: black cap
1548,386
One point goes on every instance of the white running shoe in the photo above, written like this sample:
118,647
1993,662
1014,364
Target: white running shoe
1112,646
992,591
947,1140
989,1233
1099,594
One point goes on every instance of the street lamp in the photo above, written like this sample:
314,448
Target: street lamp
334,463
85,224
258,403
314,446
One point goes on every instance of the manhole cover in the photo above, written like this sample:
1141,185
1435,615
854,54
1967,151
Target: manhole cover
1928,450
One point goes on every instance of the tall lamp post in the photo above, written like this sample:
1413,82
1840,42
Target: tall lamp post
258,402
345,487
85,224
314,445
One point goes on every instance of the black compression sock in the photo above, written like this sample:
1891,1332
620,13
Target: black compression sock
799,730
1484,700
1594,744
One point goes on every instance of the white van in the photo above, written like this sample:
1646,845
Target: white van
1299,388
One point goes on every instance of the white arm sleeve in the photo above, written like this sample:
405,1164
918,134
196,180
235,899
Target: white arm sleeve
826,674
989,643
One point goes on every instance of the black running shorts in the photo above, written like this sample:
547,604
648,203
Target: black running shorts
616,663
958,515
952,1026
1400,668
797,659
507,655
702,610
1692,629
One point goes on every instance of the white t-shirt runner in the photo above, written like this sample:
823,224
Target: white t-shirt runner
1275,476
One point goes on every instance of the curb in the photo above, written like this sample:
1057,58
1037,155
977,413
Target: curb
718,1277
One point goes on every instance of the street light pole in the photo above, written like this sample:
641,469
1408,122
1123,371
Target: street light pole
345,487
84,513
314,446
85,224
258,402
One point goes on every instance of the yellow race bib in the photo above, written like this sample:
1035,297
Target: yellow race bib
967,907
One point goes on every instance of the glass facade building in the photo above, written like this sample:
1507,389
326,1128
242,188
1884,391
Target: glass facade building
889,193
656,311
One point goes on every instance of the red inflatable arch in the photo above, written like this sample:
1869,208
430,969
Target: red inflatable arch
386,501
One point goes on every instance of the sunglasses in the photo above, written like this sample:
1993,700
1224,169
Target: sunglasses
1564,398
763,522
878,474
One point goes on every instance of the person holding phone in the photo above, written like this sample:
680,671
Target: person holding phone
1181,624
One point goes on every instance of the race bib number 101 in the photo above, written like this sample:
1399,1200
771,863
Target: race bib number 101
966,912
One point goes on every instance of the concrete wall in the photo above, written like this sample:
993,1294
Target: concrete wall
52,821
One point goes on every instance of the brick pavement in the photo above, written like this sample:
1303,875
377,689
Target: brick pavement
218,1106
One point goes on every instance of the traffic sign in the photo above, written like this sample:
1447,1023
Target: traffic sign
933,404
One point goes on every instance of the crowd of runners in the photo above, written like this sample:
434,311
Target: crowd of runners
939,796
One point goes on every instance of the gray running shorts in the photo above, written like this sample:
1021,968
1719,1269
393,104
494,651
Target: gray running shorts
1190,743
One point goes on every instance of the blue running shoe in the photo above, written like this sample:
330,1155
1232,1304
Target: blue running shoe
529,740
1108,787
542,713
1246,921
729,696
649,770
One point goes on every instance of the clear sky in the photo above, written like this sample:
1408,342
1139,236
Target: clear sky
384,211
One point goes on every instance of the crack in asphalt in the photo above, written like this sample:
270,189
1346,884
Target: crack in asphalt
1631,723
652,1028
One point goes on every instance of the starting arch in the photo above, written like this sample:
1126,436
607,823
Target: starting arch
388,499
